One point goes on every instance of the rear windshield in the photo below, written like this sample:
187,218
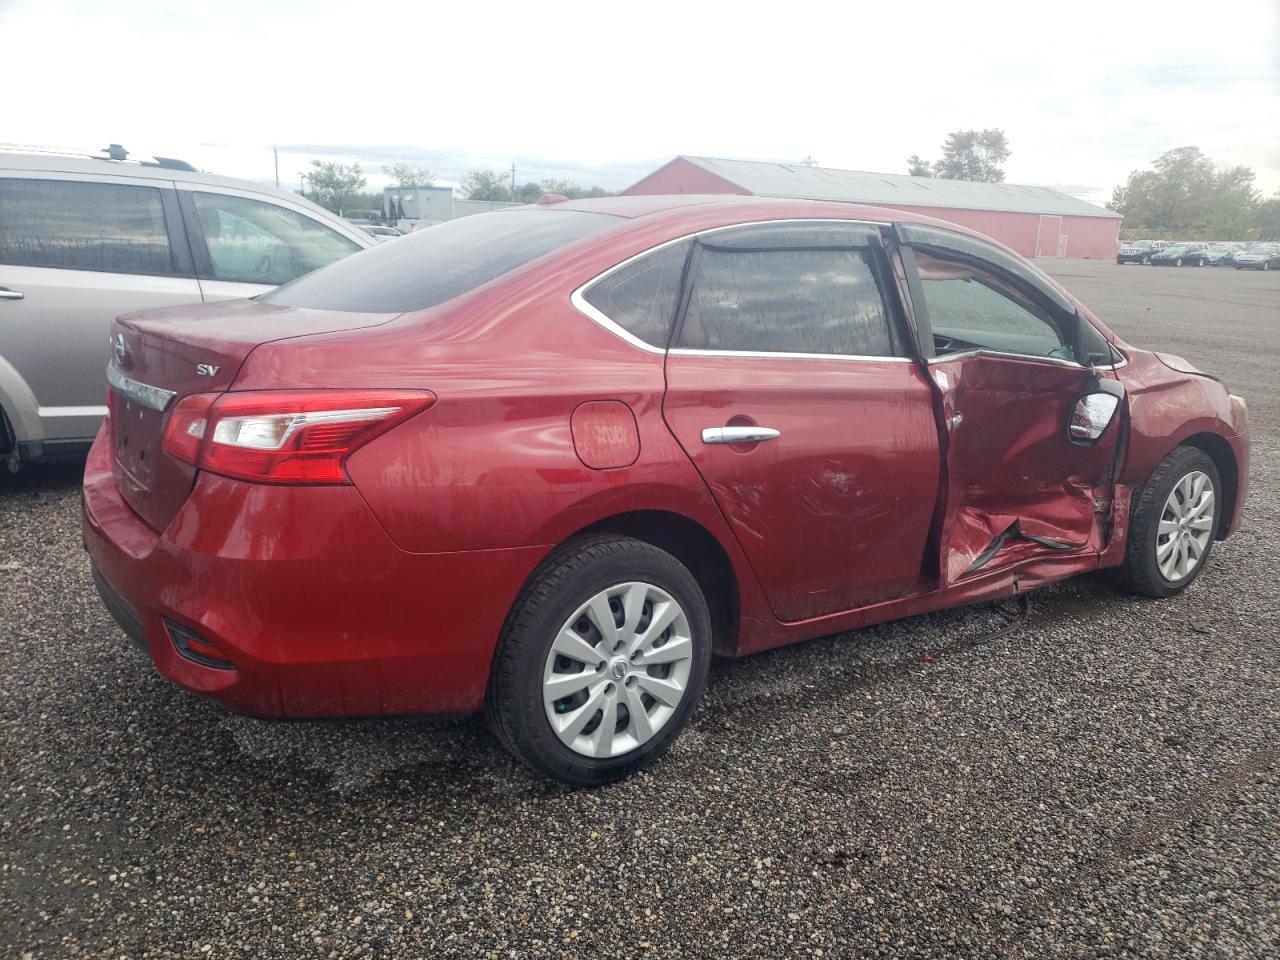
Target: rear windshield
439,263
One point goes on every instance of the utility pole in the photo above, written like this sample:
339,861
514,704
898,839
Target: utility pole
276,154
513,181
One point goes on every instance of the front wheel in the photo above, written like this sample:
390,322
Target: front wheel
602,660
1172,525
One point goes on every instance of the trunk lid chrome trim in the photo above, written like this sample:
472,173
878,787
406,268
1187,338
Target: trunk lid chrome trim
153,398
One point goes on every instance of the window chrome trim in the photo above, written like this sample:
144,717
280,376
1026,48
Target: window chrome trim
1025,356
1004,355
143,394
579,301
782,355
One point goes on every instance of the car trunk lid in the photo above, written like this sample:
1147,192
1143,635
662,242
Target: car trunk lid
161,356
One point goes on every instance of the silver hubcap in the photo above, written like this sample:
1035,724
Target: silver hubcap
617,670
1185,526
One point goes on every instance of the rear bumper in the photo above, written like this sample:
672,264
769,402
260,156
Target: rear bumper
301,590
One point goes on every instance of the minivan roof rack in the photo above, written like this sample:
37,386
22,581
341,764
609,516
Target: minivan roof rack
112,152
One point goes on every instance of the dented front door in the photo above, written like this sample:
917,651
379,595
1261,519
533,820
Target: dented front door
1017,486
1004,350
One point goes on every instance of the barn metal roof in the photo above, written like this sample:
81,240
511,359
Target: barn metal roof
856,186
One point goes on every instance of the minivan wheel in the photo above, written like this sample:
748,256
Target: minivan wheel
601,662
1172,525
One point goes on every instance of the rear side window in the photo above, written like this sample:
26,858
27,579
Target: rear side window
254,242
786,301
641,296
442,262
73,225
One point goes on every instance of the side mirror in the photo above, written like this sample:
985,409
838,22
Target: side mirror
1094,411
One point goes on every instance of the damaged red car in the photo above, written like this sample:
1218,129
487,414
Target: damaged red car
545,462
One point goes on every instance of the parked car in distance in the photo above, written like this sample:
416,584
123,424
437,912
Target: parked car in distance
380,233
542,462
1258,256
1136,251
83,239
1221,254
1178,254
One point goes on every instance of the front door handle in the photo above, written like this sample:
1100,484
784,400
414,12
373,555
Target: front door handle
738,434
7,294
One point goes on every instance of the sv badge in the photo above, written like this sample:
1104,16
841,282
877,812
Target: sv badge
207,369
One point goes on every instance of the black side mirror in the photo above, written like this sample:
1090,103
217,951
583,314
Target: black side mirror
1094,411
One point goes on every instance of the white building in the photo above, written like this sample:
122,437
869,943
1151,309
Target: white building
426,206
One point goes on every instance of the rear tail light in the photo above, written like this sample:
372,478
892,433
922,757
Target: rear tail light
286,436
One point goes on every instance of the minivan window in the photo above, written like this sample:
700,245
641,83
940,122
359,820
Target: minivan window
442,262
80,225
786,301
641,296
254,242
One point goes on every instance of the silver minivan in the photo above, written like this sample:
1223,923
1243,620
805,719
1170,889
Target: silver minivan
83,239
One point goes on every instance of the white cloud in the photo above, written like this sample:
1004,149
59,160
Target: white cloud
603,92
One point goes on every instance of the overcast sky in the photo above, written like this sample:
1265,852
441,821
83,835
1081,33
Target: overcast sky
604,92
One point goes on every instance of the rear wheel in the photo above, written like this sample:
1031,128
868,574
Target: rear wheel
601,662
1172,525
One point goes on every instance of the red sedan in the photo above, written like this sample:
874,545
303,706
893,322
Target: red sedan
546,461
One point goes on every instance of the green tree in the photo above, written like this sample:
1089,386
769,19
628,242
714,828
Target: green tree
333,184
528,192
486,185
974,155
574,191
1184,193
407,175
917,166
1269,218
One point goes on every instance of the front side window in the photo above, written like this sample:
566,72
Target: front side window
786,301
975,309
641,296
254,242
77,225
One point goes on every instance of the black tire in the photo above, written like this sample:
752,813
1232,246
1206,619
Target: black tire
1140,572
1178,262
1200,262
1146,261
568,578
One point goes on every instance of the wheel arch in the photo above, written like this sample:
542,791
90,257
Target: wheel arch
1224,458
698,549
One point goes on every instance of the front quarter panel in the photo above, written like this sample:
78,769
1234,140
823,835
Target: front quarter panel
1168,407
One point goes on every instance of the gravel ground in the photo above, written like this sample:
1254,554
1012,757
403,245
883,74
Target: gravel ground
1103,782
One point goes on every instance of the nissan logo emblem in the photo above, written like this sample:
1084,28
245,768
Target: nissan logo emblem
120,350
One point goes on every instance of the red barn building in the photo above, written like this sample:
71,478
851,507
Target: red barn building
1034,221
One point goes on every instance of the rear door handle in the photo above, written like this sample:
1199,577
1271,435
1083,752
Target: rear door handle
738,434
7,294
